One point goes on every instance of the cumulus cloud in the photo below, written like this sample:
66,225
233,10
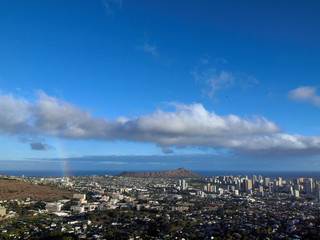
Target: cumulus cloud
305,94
14,115
188,125
277,145
195,120
53,117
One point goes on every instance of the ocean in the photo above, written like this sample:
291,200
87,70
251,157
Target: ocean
286,175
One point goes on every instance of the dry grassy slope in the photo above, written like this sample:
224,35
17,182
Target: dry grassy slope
13,189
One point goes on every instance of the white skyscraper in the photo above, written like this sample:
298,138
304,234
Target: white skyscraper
248,184
182,184
266,181
280,181
254,180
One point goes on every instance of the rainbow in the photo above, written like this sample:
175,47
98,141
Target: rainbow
61,155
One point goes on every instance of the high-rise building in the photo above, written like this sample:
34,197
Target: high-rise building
239,185
209,188
279,181
271,189
179,183
248,184
266,181
183,184
317,190
298,181
254,180
309,185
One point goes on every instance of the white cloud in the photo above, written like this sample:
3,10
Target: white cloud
57,118
305,94
148,48
216,80
189,125
279,144
220,60
110,5
195,120
14,115
204,60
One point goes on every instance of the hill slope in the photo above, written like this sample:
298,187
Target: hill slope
13,189
181,172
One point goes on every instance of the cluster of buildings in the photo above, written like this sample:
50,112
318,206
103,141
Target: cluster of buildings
262,186
211,207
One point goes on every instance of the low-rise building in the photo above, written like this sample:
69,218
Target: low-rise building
3,211
79,196
53,207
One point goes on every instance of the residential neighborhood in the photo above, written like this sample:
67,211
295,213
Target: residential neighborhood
116,207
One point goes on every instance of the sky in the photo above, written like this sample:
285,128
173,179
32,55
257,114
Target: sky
158,85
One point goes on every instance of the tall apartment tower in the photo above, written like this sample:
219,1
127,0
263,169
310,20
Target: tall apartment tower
317,190
183,184
266,181
280,181
254,180
248,184
309,185
179,182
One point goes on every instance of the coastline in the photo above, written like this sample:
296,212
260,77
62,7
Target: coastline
286,175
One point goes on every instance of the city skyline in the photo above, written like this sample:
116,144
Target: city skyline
159,85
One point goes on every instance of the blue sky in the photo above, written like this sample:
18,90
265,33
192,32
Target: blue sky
155,85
